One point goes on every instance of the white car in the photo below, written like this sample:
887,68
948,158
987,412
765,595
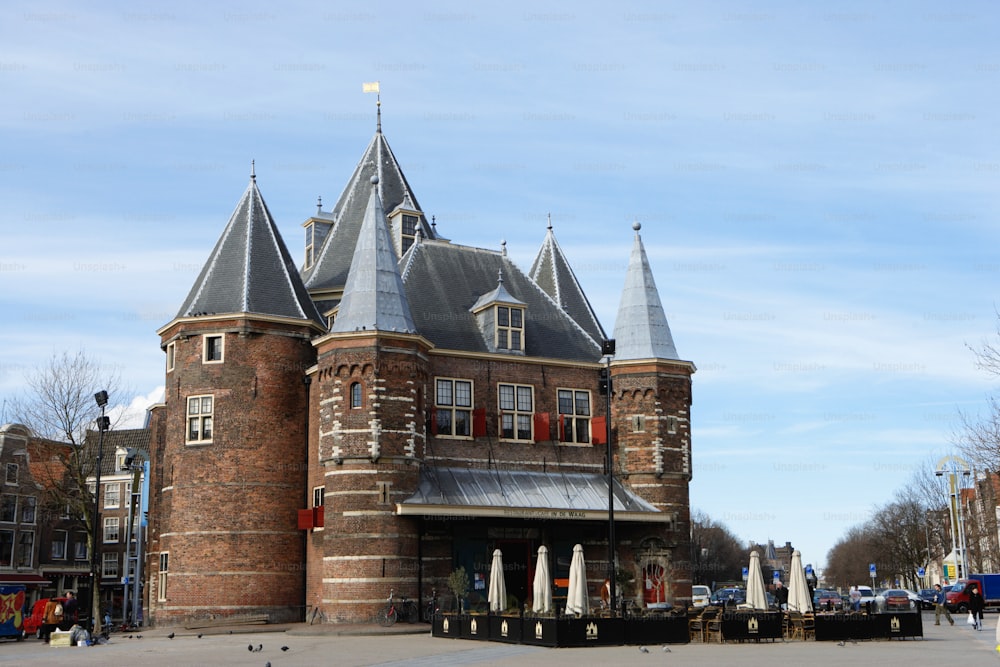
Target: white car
700,596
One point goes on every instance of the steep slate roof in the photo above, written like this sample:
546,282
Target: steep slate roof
641,329
552,272
333,259
373,296
250,270
137,438
443,281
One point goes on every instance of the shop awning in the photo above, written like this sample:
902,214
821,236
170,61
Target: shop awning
26,579
518,494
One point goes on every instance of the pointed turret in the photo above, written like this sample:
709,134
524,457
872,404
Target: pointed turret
552,272
250,269
373,295
641,328
337,230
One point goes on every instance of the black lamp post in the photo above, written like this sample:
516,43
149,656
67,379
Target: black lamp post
103,423
608,350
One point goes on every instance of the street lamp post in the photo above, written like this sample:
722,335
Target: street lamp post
103,423
608,350
953,466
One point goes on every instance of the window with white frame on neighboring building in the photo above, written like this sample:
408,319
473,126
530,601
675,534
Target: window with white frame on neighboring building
356,395
516,411
319,493
11,476
161,579
59,538
171,355
80,551
453,407
109,565
574,415
510,328
111,529
26,548
112,495
28,505
6,548
200,410
8,508
212,346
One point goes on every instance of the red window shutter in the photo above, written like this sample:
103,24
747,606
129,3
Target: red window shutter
318,514
434,421
543,431
479,422
599,430
562,429
305,519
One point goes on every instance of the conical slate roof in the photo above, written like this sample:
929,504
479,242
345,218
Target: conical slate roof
641,329
552,272
373,296
250,269
333,259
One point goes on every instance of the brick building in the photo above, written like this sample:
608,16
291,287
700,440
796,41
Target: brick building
21,520
402,405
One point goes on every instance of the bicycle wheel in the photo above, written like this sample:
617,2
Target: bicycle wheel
412,613
386,616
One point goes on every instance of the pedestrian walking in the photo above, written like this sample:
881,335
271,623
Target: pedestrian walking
976,604
940,607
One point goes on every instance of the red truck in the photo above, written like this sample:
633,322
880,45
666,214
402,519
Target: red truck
957,599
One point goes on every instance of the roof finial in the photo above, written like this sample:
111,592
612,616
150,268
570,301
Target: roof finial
253,170
636,226
434,223
500,275
319,204
550,222
503,249
374,87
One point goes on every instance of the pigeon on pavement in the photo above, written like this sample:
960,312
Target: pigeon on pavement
284,648
644,649
170,636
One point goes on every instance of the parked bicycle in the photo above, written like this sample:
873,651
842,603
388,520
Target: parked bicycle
394,610
431,610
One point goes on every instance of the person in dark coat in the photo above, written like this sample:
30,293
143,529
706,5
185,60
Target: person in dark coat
976,604
780,595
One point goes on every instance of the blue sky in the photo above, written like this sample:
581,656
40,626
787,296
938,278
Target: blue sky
817,187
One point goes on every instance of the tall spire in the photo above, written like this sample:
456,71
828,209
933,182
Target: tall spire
641,328
373,295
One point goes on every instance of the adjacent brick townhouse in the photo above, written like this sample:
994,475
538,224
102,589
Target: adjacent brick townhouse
399,406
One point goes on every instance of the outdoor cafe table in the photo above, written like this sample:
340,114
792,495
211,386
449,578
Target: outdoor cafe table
751,625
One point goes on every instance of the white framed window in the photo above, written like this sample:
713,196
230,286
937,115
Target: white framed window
28,505
109,565
453,407
8,508
212,348
80,550
199,415
59,538
516,411
310,245
161,577
11,476
111,529
574,415
408,231
112,495
26,548
510,328
356,395
638,423
319,494
171,352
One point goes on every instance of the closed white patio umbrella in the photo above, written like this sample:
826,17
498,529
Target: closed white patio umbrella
798,588
577,600
756,596
541,587
497,596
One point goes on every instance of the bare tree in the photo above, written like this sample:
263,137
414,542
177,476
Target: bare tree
58,406
716,554
847,562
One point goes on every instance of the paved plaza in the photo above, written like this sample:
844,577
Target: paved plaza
370,645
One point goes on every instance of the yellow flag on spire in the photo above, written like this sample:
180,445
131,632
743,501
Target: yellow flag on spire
370,87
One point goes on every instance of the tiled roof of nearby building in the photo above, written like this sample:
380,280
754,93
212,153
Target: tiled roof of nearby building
552,272
250,269
126,438
373,296
333,259
641,329
443,281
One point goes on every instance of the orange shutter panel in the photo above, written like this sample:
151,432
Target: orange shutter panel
543,431
479,422
599,430
434,421
306,519
318,514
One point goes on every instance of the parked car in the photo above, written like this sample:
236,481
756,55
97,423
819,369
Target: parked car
33,622
701,596
825,599
728,597
896,599
926,596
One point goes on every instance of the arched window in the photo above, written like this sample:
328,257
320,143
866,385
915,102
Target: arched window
356,395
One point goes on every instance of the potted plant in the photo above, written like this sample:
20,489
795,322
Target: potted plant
449,624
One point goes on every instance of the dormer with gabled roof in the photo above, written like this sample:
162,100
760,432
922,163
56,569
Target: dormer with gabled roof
501,319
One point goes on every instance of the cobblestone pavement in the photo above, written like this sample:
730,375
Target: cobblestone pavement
371,645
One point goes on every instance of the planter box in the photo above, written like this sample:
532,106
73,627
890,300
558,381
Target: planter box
505,629
590,631
539,632
656,630
447,625
475,627
901,625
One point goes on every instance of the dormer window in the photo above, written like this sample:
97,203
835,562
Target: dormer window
404,224
510,328
310,245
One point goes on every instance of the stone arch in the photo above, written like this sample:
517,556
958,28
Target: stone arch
654,563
